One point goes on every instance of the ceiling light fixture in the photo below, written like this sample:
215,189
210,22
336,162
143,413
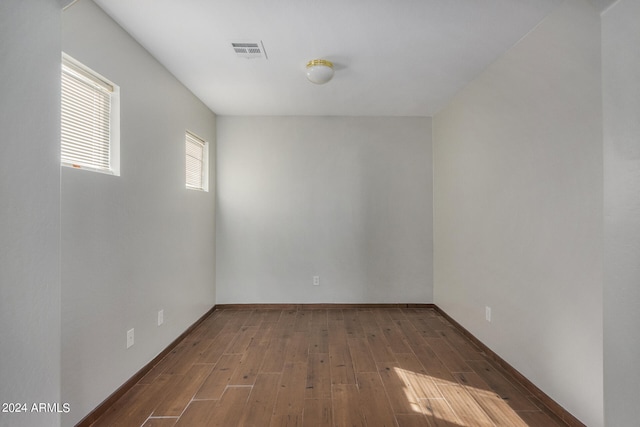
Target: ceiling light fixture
319,71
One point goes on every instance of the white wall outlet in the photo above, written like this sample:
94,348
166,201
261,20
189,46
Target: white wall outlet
160,317
487,313
316,280
129,338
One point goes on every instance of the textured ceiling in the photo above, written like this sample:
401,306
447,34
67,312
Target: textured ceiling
393,57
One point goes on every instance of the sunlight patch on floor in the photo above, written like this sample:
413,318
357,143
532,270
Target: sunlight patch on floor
425,397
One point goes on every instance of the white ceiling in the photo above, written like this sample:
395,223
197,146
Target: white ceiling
393,57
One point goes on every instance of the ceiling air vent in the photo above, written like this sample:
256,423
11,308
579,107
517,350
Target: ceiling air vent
249,50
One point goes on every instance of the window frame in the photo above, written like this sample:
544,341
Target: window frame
88,78
192,138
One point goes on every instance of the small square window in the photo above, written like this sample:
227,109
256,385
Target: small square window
89,119
197,165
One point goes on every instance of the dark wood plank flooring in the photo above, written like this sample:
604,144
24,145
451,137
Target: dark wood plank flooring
327,367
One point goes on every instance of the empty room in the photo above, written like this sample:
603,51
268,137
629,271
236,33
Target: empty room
337,213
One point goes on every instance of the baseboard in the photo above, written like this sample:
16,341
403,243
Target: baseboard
548,402
93,416
322,306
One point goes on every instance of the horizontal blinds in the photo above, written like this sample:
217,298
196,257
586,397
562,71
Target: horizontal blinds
86,110
194,148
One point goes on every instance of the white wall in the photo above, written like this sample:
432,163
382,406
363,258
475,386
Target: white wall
518,212
621,96
136,243
29,208
347,199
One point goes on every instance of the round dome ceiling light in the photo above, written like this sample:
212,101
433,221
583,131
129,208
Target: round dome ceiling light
319,71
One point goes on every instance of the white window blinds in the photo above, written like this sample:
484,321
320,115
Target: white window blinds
196,162
86,118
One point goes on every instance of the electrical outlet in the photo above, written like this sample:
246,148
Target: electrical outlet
316,280
487,313
160,317
129,338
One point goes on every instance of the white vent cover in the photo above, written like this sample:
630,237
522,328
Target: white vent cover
249,50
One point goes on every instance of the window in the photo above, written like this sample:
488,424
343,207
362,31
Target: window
197,174
89,119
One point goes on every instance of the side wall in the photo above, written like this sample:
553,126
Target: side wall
30,208
621,99
336,197
518,200
137,243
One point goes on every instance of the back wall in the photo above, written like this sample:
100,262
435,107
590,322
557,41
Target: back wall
347,199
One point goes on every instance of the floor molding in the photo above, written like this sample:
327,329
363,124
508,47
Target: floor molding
549,403
99,410
322,306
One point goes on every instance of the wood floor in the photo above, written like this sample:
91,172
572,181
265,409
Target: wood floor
336,367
